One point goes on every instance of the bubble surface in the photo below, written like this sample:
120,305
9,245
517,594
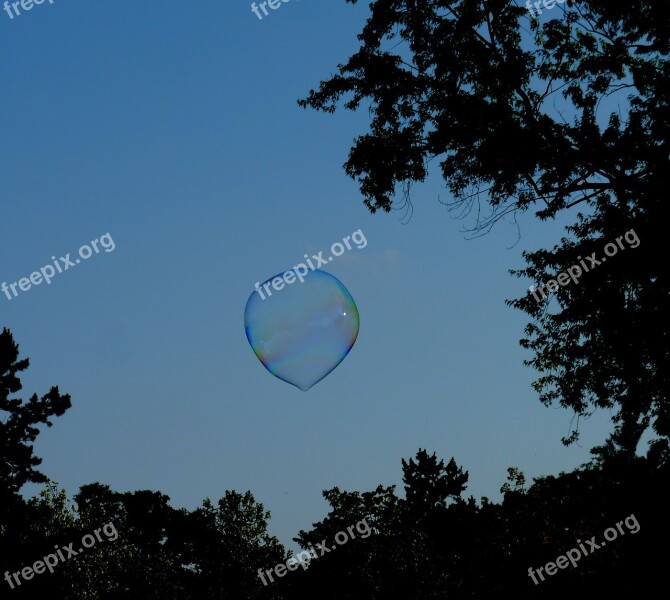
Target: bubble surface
303,331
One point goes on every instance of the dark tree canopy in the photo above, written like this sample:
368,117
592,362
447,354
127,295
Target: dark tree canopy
508,104
423,547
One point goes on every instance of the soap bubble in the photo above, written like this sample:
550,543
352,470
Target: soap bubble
302,331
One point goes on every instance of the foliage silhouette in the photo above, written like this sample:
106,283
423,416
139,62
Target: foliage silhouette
548,114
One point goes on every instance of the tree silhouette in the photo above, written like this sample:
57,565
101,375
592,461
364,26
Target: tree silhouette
548,114
428,482
468,80
19,423
464,549
19,429
230,543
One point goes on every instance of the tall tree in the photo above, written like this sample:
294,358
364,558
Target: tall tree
19,427
229,543
19,423
364,567
546,114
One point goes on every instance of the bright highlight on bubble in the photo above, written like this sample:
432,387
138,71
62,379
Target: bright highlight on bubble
304,331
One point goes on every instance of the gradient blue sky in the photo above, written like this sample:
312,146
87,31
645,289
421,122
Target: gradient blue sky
174,127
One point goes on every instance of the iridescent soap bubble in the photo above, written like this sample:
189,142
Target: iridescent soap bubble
303,331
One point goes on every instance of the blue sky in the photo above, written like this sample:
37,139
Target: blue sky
174,127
